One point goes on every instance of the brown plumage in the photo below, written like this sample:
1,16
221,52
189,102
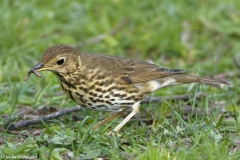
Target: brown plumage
109,83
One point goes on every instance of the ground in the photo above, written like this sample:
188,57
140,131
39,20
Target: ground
201,37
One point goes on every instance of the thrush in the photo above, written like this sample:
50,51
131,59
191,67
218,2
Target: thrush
109,83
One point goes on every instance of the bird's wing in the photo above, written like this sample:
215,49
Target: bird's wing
137,71
127,71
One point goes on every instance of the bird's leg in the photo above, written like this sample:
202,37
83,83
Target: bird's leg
96,126
135,110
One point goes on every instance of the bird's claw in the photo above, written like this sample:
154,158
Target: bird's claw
110,133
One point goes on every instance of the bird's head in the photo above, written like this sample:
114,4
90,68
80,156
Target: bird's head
60,59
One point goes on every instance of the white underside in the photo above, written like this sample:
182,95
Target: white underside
168,82
154,84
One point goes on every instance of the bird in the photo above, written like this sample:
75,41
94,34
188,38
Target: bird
109,83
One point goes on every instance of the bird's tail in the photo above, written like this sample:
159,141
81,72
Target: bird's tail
181,78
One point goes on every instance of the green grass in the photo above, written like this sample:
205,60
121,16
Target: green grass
201,37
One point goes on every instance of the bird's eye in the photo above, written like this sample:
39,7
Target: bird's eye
60,61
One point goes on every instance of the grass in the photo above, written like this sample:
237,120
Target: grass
199,36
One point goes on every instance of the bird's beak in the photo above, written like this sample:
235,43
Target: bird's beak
38,67
35,69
